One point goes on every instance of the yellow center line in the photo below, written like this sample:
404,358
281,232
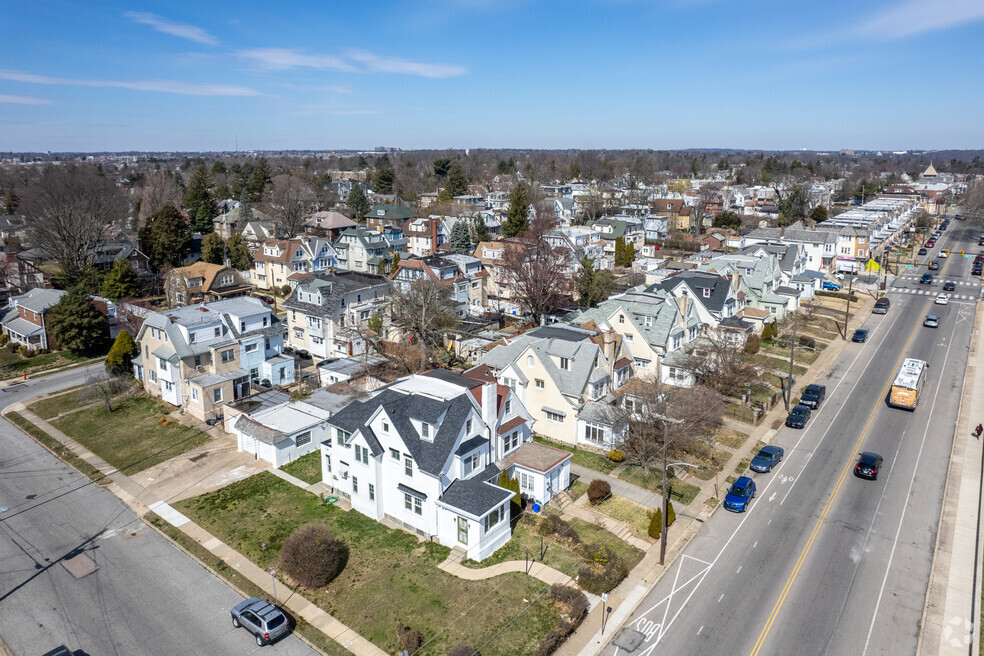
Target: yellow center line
840,480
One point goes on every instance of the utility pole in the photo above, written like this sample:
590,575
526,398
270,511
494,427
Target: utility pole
787,395
666,506
847,310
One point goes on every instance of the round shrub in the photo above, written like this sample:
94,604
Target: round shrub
4,338
23,350
574,599
807,341
285,290
616,455
407,639
656,524
12,347
311,556
598,491
752,344
463,650
601,580
554,525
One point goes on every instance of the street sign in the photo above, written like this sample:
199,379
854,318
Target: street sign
604,597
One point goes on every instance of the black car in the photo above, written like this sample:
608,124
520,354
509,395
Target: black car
813,395
949,286
868,465
798,416
923,251
927,279
860,336
767,458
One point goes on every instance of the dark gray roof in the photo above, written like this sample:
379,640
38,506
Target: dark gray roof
562,331
470,445
258,431
409,490
455,377
333,286
698,281
430,456
735,322
474,496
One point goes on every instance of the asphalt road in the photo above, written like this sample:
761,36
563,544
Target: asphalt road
145,598
823,562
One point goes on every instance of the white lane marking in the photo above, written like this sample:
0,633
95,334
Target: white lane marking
703,575
770,521
908,494
700,629
756,544
772,497
739,570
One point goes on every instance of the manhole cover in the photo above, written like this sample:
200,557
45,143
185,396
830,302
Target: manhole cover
629,639
80,565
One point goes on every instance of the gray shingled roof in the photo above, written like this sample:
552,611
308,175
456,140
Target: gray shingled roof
581,359
474,496
430,456
258,431
39,300
697,282
337,284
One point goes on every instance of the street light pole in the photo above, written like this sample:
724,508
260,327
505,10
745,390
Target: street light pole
788,392
847,310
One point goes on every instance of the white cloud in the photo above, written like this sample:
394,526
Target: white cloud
917,16
282,59
160,86
378,64
190,32
356,61
23,100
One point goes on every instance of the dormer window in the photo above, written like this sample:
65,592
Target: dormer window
621,318
468,427
529,360
425,431
707,293
565,363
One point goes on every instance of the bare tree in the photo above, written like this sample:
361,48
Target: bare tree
287,202
159,191
538,274
67,208
720,365
698,409
697,213
974,203
104,388
426,311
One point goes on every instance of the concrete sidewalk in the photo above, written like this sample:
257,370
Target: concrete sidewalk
142,500
952,610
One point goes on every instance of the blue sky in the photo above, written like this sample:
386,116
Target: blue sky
772,74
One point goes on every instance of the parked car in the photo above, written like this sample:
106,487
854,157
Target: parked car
882,306
860,336
931,321
934,265
868,465
942,299
813,396
976,271
740,494
266,299
949,286
927,279
931,243
831,286
798,416
767,458
261,618
923,251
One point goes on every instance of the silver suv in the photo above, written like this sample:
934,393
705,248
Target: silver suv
261,618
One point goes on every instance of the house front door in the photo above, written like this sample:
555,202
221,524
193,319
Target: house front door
462,530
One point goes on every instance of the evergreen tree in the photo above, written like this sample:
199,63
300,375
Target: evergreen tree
396,263
239,253
819,214
197,192
628,256
76,325
11,201
656,524
584,281
670,514
517,217
245,209
213,249
619,251
120,356
480,231
358,202
121,281
165,238
382,181
457,182
460,241
258,181
441,166
202,221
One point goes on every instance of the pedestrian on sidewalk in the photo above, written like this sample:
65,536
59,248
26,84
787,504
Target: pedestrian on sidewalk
979,430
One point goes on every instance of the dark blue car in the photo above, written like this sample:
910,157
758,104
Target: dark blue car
767,458
798,416
740,495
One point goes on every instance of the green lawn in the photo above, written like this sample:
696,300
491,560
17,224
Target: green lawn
631,513
679,491
243,584
389,576
131,438
742,413
582,457
577,489
559,552
58,448
731,438
307,467
13,365
56,405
